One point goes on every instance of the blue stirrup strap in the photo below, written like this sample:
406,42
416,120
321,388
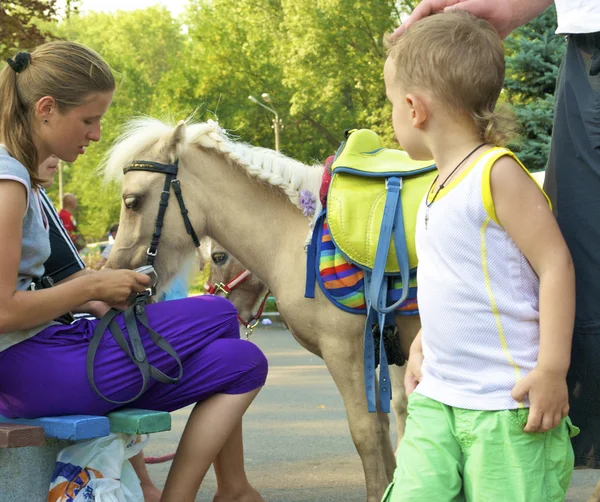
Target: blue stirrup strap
369,359
312,267
385,388
392,224
383,245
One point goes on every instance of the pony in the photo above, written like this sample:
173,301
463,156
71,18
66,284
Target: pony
229,278
248,199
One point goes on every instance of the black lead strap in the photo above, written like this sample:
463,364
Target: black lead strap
135,313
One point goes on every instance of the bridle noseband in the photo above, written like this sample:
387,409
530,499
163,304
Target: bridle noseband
170,171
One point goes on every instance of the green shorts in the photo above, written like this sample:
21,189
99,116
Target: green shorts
452,455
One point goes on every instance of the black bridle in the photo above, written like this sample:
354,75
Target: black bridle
170,172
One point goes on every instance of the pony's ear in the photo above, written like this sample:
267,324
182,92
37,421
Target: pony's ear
173,142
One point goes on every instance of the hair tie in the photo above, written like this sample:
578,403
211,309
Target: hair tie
21,61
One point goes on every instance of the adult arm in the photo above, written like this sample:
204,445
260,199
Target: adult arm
523,211
28,309
504,15
96,308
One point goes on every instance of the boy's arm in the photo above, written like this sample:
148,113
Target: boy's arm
413,373
523,211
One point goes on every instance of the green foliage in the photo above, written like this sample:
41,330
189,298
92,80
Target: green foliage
332,55
19,21
320,61
534,53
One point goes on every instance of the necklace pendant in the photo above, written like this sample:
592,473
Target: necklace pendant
426,217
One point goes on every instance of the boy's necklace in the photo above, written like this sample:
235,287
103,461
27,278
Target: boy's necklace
443,183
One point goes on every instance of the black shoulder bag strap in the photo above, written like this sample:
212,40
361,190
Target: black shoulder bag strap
133,314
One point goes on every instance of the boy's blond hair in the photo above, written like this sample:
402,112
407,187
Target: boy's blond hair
460,60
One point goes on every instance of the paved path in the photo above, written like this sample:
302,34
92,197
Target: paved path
298,447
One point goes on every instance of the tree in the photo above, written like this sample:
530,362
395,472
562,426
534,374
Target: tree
534,55
333,57
19,29
320,61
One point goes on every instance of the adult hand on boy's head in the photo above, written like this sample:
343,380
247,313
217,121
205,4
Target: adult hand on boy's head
548,399
499,13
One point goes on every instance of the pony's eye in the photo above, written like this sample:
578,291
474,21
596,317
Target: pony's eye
219,258
131,202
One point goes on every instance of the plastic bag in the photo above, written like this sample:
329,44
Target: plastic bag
97,470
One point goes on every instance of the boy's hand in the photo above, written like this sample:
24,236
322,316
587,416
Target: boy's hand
413,375
548,399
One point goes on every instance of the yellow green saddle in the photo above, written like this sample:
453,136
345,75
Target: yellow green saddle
372,205
357,197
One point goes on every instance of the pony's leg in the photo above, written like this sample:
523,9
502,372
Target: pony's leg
596,495
345,363
385,441
399,399
385,445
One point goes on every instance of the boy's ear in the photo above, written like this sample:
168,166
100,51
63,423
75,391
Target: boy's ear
418,110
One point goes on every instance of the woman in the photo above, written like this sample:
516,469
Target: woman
52,101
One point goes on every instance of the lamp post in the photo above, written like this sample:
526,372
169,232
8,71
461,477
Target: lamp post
276,120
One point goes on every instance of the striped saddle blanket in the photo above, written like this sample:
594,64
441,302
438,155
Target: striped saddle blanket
343,282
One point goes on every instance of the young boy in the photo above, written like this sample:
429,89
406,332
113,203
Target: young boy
488,416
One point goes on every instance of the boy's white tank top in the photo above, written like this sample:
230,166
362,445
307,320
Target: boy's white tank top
478,296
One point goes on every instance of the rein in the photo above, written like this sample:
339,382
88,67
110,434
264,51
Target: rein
226,288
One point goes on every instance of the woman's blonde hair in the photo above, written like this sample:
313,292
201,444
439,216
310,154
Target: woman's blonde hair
67,71
460,60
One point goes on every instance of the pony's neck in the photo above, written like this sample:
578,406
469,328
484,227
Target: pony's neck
256,222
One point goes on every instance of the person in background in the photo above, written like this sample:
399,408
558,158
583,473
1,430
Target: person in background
67,217
112,233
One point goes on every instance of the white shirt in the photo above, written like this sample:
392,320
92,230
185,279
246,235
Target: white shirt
578,16
478,297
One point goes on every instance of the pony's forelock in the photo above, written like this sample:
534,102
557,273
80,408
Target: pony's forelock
138,135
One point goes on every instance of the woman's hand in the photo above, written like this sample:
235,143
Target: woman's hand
115,286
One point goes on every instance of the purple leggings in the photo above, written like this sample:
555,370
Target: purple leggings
46,375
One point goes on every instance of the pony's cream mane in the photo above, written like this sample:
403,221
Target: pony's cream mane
297,180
